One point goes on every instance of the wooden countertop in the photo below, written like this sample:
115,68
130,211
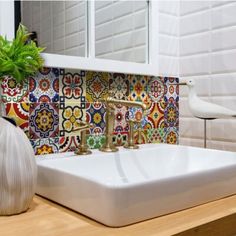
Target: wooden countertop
45,218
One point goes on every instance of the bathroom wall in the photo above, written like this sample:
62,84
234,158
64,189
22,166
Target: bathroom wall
208,54
121,30
60,25
168,37
48,107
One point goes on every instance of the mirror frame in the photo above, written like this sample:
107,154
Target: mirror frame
90,62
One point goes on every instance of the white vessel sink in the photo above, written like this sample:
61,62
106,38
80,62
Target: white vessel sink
129,186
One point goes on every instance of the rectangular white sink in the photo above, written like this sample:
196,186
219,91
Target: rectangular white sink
129,186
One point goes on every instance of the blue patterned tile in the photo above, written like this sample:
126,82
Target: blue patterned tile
95,115
44,86
43,120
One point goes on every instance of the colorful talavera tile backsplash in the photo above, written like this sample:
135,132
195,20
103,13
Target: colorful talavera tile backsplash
50,105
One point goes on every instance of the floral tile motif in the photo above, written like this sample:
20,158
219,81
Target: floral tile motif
20,113
44,86
155,135
137,114
120,138
95,141
138,87
70,116
11,91
69,143
95,115
97,85
119,85
43,120
156,89
121,116
172,93
72,86
45,146
156,116
171,114
172,135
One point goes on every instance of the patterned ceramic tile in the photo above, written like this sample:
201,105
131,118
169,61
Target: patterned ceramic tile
172,135
45,146
137,114
69,143
72,86
172,93
95,141
171,114
20,113
119,85
14,92
120,138
121,117
156,89
95,115
44,86
138,87
155,135
43,120
69,117
97,85
156,116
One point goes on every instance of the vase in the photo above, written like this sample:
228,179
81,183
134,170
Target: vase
2,106
18,169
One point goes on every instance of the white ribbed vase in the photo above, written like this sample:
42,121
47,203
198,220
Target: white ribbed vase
2,107
18,170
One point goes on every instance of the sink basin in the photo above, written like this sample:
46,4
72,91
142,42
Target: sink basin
129,186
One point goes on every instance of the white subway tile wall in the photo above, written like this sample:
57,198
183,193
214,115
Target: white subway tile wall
168,38
208,54
60,25
122,26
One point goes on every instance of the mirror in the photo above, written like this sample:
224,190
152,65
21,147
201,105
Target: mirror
121,27
121,30
59,25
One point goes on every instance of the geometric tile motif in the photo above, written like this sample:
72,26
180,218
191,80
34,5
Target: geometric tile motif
69,144
155,135
43,120
171,114
45,146
70,118
95,115
138,87
97,84
20,113
12,91
44,86
72,86
119,85
121,115
156,116
172,135
172,94
156,88
95,141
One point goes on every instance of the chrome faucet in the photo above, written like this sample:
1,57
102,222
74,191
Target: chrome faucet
110,121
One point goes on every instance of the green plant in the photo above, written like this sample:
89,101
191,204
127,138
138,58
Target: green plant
19,58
